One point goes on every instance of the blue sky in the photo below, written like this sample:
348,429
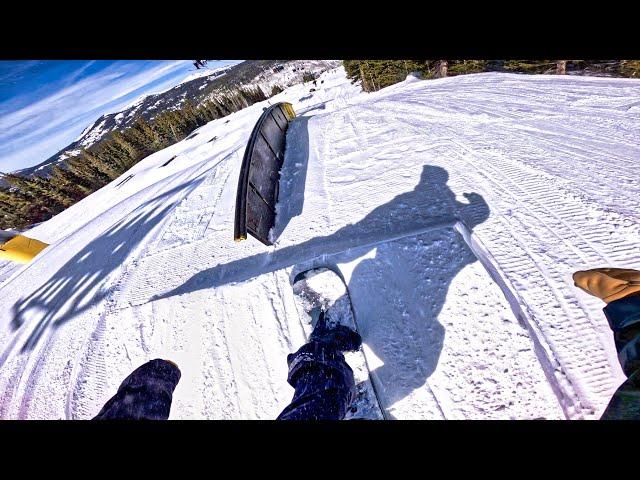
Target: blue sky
45,105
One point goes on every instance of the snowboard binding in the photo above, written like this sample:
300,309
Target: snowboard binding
339,336
323,299
328,305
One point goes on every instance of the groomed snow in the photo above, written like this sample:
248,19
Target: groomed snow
540,173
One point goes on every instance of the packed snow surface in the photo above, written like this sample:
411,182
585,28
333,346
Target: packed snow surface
455,209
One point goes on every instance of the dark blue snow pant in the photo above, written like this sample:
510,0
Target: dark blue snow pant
624,319
323,382
146,394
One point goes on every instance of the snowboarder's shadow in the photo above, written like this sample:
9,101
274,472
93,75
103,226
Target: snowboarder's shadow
399,289
398,295
399,292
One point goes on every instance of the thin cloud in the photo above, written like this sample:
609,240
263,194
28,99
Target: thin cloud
31,133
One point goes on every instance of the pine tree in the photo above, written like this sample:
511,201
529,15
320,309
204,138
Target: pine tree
561,67
105,167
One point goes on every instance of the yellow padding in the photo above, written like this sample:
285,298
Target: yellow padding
21,249
289,110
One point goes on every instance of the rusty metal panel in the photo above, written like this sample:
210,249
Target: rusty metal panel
260,174
264,172
280,118
274,138
260,217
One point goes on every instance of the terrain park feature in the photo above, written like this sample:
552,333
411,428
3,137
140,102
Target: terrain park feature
260,173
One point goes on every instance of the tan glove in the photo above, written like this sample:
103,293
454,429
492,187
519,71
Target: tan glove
609,284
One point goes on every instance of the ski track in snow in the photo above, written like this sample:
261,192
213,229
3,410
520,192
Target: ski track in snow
541,169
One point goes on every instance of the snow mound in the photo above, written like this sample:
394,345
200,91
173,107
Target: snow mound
413,77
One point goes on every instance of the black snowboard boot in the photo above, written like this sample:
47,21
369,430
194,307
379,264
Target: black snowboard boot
334,334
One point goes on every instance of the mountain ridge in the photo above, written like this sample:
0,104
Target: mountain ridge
264,73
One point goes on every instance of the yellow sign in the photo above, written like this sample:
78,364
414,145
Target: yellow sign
21,249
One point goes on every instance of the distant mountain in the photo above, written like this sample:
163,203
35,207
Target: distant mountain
200,86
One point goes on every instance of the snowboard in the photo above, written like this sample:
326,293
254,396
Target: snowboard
322,289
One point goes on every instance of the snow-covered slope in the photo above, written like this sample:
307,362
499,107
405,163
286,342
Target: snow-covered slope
538,172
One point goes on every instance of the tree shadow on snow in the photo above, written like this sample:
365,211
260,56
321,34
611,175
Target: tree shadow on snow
398,293
80,283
